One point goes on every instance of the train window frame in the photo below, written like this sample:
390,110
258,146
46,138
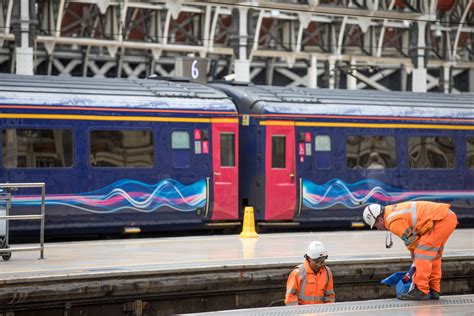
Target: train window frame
434,135
234,149
118,129
378,166
41,127
466,146
178,160
322,157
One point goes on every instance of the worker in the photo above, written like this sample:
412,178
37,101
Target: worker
424,227
311,282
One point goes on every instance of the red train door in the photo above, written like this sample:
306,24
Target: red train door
225,164
280,187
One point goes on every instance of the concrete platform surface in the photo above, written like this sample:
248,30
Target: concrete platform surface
105,258
447,305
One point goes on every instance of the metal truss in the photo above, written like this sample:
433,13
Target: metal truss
354,44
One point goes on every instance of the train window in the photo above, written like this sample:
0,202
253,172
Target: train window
278,151
227,150
470,152
431,152
180,140
37,148
370,152
121,149
181,149
322,146
322,143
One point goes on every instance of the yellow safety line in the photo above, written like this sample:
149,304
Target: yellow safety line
368,125
116,118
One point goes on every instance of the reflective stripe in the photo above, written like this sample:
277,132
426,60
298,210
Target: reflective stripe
329,299
413,215
329,292
291,291
291,303
424,257
411,210
398,213
427,248
301,295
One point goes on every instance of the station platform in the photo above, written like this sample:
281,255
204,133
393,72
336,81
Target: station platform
214,272
448,305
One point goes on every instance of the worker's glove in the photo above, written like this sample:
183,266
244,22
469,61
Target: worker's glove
409,237
409,273
423,228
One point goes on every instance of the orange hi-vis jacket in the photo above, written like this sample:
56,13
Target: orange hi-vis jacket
306,287
411,220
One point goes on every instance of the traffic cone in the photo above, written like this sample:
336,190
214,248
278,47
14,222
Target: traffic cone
248,228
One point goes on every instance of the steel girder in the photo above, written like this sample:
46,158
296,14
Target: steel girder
344,43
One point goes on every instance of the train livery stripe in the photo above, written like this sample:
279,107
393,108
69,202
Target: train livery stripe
368,125
116,118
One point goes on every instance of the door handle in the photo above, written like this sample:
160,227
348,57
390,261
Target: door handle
217,173
292,175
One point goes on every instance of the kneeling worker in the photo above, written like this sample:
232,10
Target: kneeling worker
424,227
311,282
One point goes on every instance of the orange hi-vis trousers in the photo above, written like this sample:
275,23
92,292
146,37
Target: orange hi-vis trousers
428,253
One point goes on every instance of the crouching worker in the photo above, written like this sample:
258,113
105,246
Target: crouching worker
424,227
311,282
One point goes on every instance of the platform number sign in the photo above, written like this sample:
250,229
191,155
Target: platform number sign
194,68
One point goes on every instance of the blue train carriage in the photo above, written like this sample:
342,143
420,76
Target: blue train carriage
118,154
317,157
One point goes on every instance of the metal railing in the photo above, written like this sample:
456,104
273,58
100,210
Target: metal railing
6,190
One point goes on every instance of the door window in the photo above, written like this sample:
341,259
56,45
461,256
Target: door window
278,151
227,149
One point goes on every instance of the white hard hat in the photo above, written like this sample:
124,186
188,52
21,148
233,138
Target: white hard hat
316,250
370,213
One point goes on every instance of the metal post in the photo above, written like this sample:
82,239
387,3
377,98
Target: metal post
242,64
351,76
24,53
313,72
419,74
7,213
471,80
332,72
43,194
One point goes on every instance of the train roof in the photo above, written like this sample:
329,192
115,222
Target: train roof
106,92
253,99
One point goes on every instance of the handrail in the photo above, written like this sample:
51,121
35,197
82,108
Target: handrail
7,189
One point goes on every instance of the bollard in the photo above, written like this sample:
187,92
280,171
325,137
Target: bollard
248,228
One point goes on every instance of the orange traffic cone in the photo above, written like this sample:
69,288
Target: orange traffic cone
248,228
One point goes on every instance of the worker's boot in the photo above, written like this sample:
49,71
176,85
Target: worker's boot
434,295
415,295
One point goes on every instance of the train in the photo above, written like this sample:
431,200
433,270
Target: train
162,155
